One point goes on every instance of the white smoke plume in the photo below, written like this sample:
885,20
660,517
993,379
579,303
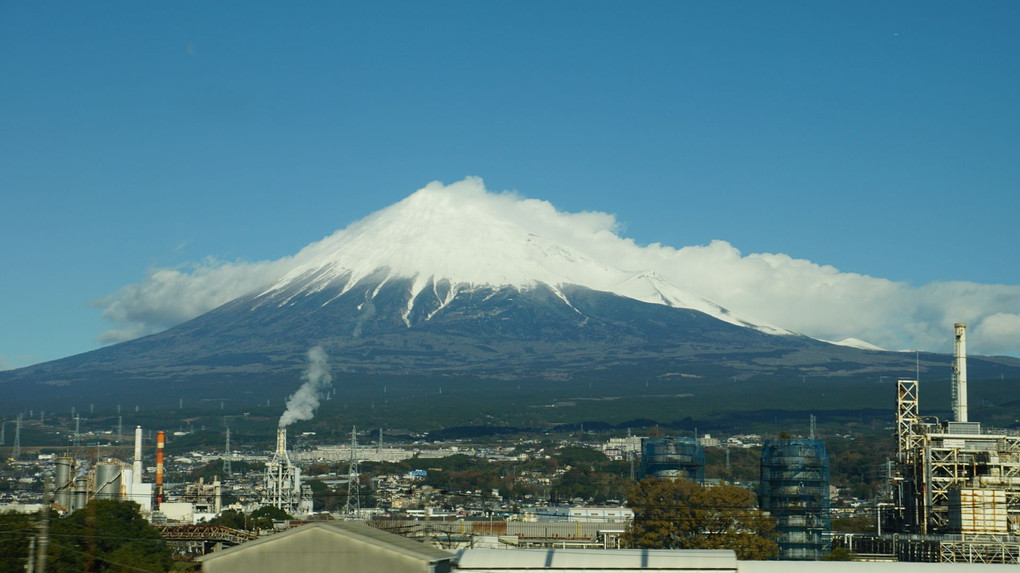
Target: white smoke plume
302,404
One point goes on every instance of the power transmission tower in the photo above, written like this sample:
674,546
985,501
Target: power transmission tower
226,456
630,455
16,452
353,480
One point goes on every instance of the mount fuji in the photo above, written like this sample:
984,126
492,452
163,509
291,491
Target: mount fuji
455,281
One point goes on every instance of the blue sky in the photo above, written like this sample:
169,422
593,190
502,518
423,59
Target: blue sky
880,139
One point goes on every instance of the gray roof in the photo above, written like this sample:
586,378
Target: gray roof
597,559
353,530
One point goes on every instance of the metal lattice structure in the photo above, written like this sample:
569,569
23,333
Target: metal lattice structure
353,507
227,470
989,550
16,450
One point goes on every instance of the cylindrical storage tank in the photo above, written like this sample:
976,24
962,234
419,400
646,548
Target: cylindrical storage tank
80,496
672,458
794,488
64,484
107,481
127,480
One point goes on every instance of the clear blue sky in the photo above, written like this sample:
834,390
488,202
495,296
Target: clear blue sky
879,138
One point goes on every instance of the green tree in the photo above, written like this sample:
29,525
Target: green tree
106,535
15,531
681,514
861,524
263,517
839,554
574,456
230,518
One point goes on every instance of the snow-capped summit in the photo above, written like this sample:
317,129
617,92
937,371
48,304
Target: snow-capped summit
465,236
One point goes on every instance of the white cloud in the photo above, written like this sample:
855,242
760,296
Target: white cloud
770,288
171,296
999,333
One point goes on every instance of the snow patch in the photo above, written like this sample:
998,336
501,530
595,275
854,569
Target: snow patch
856,343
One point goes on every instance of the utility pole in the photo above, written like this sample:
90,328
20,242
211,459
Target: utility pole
30,562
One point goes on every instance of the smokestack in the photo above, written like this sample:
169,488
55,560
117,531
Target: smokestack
137,466
281,445
960,374
160,438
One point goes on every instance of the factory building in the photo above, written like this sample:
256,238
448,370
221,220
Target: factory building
75,483
956,487
672,458
794,488
956,479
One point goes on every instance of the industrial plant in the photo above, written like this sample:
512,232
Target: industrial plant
955,479
75,483
282,488
956,484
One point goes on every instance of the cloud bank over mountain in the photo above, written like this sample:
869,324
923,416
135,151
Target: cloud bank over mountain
766,288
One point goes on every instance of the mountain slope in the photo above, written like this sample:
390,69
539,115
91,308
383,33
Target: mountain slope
439,285
483,333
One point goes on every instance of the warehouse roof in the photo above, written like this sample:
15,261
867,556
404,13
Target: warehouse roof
597,560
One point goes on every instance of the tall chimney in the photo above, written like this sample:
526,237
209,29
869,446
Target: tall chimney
160,438
281,446
137,465
960,374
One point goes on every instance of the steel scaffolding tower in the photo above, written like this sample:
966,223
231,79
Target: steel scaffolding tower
794,488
